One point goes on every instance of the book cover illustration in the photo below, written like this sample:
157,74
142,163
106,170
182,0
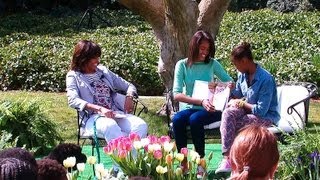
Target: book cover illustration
216,92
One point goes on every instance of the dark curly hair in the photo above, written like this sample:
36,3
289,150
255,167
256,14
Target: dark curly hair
49,169
243,50
15,169
65,150
19,153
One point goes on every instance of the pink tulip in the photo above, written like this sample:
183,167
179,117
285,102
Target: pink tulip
112,145
157,154
164,139
128,145
108,149
116,142
184,151
123,143
153,139
145,148
122,154
134,137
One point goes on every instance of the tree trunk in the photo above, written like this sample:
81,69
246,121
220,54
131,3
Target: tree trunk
174,22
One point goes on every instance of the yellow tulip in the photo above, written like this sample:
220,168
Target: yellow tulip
168,146
81,167
179,156
99,168
158,169
169,158
178,171
69,162
92,160
198,160
203,163
137,145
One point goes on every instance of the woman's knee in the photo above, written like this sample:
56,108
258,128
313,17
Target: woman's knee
137,125
177,120
202,117
106,124
195,120
142,126
142,130
230,112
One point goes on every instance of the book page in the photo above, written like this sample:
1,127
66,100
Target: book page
219,96
217,92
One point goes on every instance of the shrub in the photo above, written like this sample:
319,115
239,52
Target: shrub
6,140
300,158
283,43
291,5
27,123
39,61
35,53
240,5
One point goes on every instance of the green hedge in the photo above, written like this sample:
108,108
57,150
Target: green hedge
35,51
285,44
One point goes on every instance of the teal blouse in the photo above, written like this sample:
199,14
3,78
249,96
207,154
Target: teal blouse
184,77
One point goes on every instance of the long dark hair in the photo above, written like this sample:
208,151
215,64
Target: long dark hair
195,43
83,52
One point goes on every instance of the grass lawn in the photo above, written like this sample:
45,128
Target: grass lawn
55,105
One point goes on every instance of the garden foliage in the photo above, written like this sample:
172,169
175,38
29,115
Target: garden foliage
36,50
284,44
27,125
300,157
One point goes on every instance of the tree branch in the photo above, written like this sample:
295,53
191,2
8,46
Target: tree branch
151,10
211,14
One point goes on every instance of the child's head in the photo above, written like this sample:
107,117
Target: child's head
49,169
12,168
254,154
19,153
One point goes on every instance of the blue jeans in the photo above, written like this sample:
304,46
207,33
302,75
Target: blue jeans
196,119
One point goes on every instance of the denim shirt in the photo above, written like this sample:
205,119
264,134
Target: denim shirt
262,94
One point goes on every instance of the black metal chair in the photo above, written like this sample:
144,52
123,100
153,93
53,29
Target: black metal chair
101,141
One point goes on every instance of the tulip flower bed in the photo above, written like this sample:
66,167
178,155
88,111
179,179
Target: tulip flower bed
153,157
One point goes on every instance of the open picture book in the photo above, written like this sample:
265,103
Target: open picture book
217,92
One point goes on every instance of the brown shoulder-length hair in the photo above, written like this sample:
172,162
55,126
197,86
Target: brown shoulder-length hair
254,153
243,50
195,43
83,52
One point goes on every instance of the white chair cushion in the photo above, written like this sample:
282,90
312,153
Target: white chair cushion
213,125
288,95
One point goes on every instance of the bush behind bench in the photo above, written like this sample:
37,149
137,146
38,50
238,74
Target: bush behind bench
35,51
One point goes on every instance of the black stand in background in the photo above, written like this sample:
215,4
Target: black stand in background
90,13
